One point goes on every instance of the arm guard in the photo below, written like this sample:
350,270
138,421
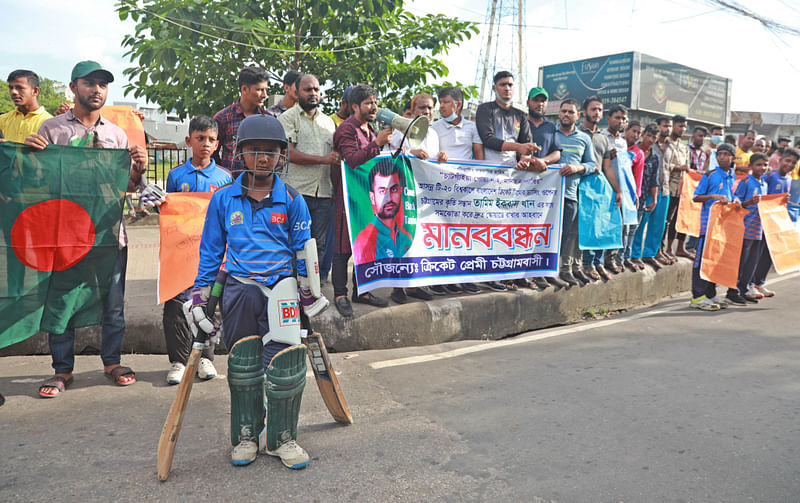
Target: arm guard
309,254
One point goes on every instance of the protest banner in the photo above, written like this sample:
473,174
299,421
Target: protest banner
123,116
181,227
414,222
627,184
599,220
780,232
688,219
722,249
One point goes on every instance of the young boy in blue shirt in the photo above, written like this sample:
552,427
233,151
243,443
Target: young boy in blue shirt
198,174
749,192
715,187
258,224
778,182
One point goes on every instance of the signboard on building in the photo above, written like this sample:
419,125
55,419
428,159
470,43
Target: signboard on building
640,82
672,89
608,77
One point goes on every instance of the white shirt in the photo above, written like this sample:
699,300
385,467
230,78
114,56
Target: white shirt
430,143
457,139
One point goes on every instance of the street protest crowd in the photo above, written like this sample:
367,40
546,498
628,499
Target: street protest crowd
276,175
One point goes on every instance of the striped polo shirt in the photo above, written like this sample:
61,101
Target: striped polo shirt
718,181
748,188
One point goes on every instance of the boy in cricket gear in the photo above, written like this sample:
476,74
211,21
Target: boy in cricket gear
262,224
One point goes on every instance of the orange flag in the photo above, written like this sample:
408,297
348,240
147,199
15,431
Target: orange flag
688,219
782,238
124,117
723,245
181,226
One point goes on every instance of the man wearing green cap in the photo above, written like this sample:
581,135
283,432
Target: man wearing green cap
544,134
84,126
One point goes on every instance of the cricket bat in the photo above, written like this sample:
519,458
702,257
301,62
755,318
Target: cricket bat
172,426
324,374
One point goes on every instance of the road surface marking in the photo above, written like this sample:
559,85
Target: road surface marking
537,336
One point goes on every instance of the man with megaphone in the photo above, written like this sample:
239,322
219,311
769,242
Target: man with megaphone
424,145
357,142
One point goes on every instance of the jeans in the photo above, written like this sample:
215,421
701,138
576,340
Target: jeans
751,249
570,254
700,286
62,346
628,232
593,257
651,229
321,212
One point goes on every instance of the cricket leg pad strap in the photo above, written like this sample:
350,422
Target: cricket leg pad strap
246,382
286,378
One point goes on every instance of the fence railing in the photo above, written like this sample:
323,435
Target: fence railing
162,161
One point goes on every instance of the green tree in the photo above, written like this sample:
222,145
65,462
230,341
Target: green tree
187,53
48,97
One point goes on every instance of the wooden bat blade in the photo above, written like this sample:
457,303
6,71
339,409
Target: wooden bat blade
326,379
172,426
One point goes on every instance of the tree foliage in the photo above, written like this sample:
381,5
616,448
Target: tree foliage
187,53
48,97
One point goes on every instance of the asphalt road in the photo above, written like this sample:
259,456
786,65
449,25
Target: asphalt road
662,404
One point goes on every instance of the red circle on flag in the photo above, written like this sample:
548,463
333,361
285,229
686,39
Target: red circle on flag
53,235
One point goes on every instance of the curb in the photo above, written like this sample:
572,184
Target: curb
486,316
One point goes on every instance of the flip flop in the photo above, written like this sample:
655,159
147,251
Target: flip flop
120,371
56,382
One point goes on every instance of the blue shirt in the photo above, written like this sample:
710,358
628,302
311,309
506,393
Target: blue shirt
714,182
187,178
777,184
576,148
745,191
545,136
260,237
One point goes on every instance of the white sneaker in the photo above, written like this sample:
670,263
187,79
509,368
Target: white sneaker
704,304
766,292
244,453
175,373
292,455
753,292
206,370
721,301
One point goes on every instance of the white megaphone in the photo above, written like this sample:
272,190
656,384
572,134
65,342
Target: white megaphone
414,129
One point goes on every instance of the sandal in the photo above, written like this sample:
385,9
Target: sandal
57,382
120,371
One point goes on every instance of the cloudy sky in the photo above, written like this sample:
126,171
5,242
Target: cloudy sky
51,35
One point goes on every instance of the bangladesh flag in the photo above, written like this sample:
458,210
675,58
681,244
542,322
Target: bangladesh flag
60,212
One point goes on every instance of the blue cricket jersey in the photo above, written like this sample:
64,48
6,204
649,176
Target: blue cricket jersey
777,184
714,182
746,189
187,178
260,238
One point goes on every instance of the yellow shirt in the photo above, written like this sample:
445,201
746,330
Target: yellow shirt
336,119
742,159
16,126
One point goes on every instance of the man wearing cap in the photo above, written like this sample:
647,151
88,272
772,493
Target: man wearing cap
543,132
84,126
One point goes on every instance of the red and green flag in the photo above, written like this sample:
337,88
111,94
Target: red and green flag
60,212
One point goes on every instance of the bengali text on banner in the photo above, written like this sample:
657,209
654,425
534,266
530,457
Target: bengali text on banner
415,222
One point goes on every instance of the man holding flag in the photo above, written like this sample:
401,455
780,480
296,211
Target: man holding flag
84,126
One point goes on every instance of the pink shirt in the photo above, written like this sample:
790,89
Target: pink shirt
637,167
